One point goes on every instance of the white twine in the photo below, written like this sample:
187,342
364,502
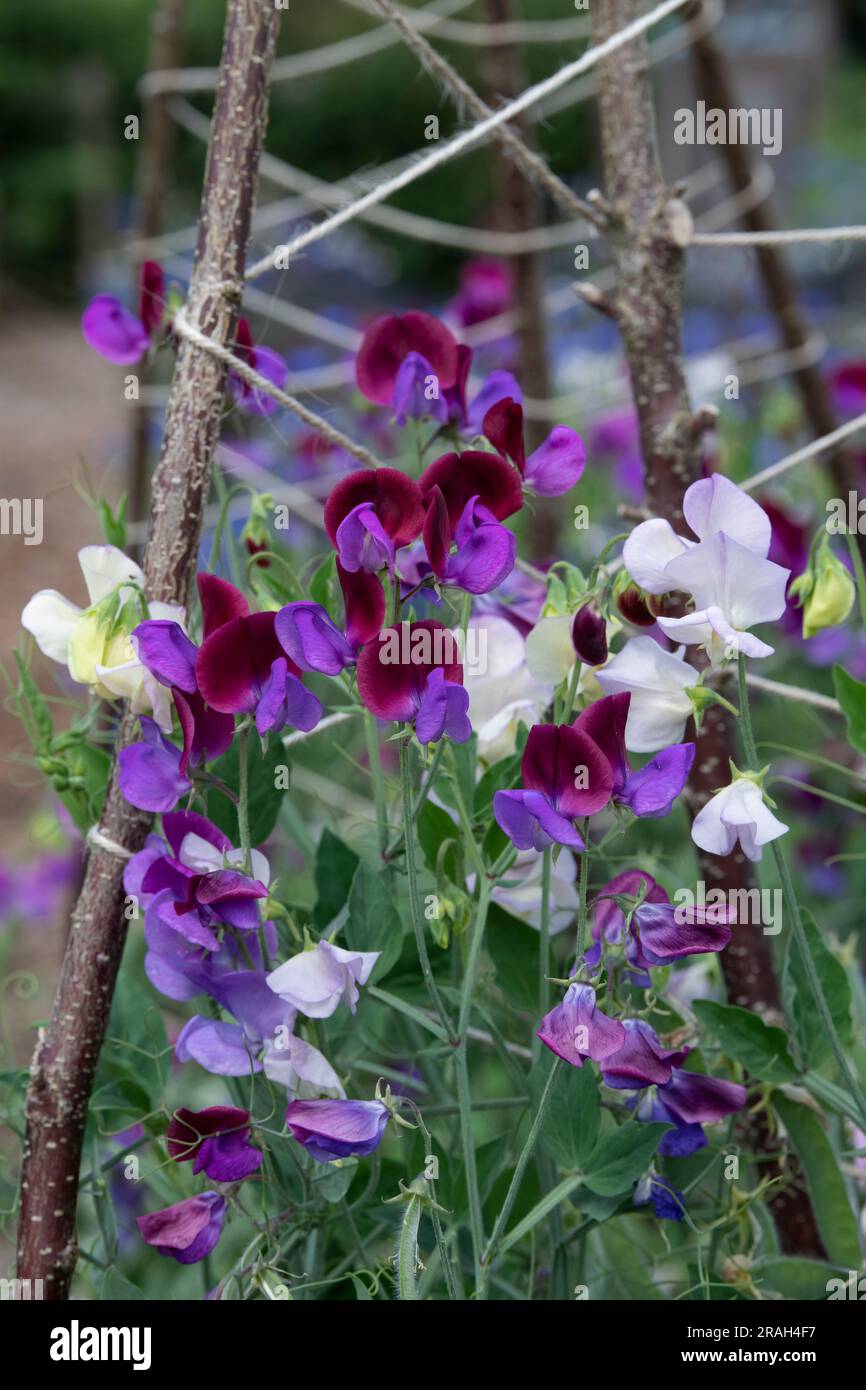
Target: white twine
818,446
794,692
473,35
457,146
96,838
327,723
793,237
182,325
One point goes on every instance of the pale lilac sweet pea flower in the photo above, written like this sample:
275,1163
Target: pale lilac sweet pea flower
737,813
577,1029
187,1231
316,982
331,1129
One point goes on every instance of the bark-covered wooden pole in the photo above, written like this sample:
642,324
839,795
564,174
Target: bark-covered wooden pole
647,305
68,1051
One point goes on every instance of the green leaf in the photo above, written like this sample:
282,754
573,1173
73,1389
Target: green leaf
572,1118
794,1278
761,1049
621,1157
836,1220
119,1103
851,695
499,777
116,1288
332,1183
540,1211
322,581
465,761
373,923
40,727
113,523
265,798
800,1002
513,947
435,826
335,868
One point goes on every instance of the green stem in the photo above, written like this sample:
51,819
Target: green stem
583,888
420,799
377,778
544,942
244,795
520,1168
417,915
790,896
859,573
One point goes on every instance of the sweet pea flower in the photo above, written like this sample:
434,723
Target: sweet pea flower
484,550
640,1060
486,291
215,1141
473,474
311,638
469,414
114,331
655,931
264,360
736,814
554,467
565,775
589,635
577,1028
316,982
728,575
150,773
187,1231
388,342
95,642
502,691
653,789
411,673
416,392
668,1203
658,682
370,514
241,668
332,1129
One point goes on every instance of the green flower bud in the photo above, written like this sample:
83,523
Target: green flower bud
829,598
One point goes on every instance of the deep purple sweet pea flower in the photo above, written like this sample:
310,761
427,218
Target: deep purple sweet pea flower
241,667
114,331
641,1060
187,1231
469,415
589,635
330,1129
369,514
411,673
388,342
667,1203
486,291
215,1141
267,363
311,638
485,550
659,931
149,773
474,473
608,925
151,296
565,775
416,392
577,1029
554,467
652,790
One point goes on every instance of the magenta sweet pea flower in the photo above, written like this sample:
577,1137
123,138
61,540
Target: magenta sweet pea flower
388,342
460,477
411,673
652,790
565,775
577,1028
641,1060
486,291
370,514
484,550
114,331
469,415
215,1141
554,467
311,638
241,667
187,1231
330,1129
267,363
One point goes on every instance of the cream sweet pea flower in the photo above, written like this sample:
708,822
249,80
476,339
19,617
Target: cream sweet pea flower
82,640
502,688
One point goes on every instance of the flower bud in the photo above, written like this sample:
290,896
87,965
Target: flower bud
589,635
826,591
634,608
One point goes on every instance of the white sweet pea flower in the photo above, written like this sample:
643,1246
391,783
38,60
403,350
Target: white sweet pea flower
99,653
737,812
657,681
710,506
502,690
733,588
300,1067
524,901
316,982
